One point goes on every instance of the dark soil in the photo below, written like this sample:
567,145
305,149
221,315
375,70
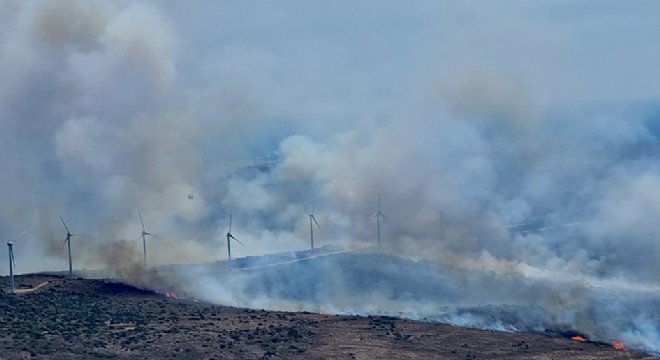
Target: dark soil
84,319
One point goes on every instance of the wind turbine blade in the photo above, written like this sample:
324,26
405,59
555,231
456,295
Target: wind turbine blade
317,224
150,234
229,223
238,241
66,227
64,243
378,202
141,222
384,217
80,235
373,216
20,236
12,257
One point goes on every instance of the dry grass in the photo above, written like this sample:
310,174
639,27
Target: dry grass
58,318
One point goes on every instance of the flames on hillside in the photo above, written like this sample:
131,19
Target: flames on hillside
616,344
579,338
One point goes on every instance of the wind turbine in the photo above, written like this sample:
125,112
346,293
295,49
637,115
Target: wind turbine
12,262
311,227
378,214
67,240
143,235
230,237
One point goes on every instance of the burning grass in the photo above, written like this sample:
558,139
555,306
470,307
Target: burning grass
98,319
618,345
579,338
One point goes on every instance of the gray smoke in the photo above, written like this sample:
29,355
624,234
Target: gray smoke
464,125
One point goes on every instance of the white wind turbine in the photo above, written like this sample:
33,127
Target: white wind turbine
378,214
230,237
67,240
312,221
12,262
143,235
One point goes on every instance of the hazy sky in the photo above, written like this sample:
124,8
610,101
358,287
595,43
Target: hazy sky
561,51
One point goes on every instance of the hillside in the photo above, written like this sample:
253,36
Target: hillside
57,318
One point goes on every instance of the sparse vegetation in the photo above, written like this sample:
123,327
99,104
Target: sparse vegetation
95,319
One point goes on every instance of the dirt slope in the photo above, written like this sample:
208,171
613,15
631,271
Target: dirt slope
86,319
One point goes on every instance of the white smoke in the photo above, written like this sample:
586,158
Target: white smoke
110,108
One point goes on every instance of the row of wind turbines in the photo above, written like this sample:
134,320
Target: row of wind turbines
12,261
67,241
143,235
312,221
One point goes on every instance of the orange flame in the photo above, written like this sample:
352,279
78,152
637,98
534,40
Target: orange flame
579,338
618,345
172,295
169,294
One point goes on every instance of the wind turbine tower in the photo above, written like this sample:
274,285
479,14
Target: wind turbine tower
312,221
230,237
143,235
12,262
378,214
67,241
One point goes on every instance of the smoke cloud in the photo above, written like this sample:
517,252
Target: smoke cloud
473,132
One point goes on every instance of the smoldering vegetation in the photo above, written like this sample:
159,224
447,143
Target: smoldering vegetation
364,283
134,106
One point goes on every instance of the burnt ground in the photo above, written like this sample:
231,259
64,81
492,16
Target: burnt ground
85,319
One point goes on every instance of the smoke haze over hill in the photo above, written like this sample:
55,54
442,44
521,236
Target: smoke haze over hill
466,118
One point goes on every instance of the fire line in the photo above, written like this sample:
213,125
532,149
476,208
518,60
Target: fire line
618,345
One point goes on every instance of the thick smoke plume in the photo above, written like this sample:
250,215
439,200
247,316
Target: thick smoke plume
185,114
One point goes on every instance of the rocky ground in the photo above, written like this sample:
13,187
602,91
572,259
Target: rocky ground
57,318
